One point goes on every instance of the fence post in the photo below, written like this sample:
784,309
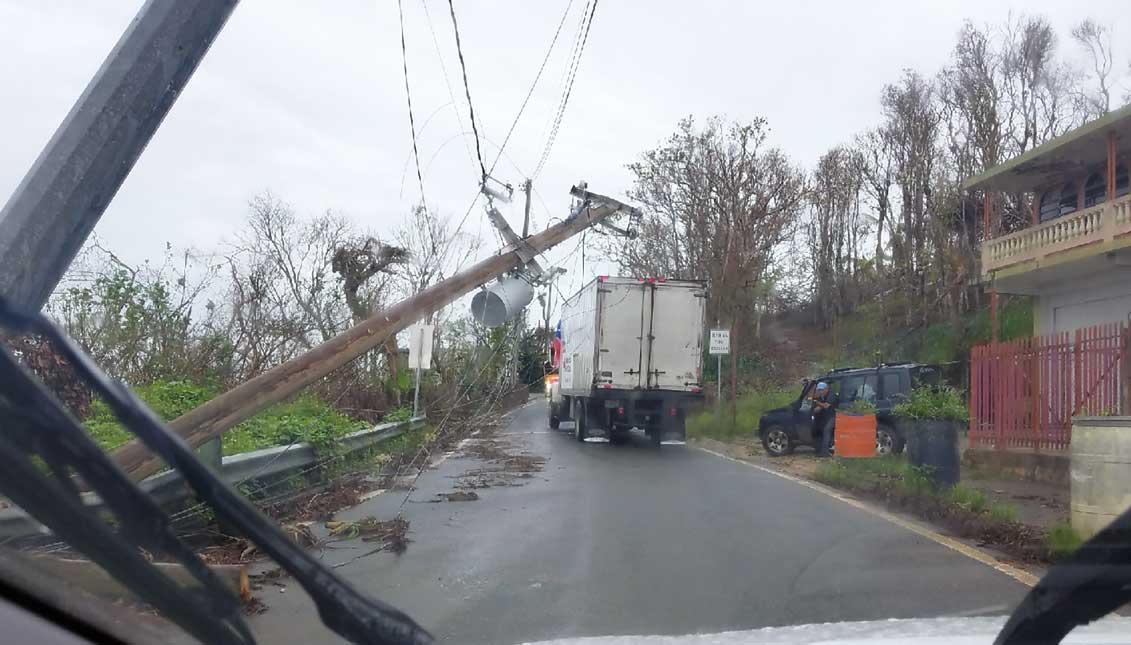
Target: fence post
1035,390
999,397
975,383
1125,368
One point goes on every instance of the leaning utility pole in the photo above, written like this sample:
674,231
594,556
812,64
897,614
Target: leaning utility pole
282,381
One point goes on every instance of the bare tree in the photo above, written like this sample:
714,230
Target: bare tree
1040,88
1096,40
834,230
911,119
356,261
718,201
877,173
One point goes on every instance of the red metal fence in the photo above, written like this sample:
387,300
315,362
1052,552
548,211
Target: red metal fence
1024,393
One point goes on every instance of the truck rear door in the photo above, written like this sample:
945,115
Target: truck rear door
675,350
623,318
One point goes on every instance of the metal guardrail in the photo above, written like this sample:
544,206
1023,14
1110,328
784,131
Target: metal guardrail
168,487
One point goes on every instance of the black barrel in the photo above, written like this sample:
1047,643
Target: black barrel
934,443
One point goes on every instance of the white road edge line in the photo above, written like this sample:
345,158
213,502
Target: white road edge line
1024,577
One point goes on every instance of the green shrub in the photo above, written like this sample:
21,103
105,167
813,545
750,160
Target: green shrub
717,424
931,402
403,413
305,419
169,399
1063,540
860,406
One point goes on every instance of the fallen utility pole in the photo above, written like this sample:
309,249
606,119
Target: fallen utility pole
282,381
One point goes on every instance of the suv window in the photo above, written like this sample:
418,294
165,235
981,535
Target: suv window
863,387
925,375
891,384
810,391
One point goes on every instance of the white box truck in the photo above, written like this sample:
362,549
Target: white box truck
632,352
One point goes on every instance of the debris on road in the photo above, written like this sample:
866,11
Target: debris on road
457,496
504,467
392,534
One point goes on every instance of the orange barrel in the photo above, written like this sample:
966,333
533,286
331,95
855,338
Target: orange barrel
855,435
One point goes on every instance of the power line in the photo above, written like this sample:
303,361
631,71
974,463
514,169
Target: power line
467,91
533,85
408,95
444,71
576,63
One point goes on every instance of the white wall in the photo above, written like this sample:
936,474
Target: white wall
1084,303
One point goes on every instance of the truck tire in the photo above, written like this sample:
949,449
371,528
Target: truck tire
776,441
657,436
579,421
554,420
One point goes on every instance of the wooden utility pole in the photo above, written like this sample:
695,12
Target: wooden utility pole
283,381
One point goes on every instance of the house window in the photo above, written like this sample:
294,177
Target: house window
1069,199
1121,184
1050,205
1095,190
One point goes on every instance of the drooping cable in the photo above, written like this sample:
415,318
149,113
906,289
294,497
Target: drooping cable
467,92
408,95
576,63
533,85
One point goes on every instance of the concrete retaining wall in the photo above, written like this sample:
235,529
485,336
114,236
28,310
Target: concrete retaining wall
1048,467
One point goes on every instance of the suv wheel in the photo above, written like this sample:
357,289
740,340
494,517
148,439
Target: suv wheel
776,441
887,441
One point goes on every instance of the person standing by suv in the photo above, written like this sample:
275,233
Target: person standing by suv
824,416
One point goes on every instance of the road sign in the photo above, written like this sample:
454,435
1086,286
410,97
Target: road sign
719,342
420,346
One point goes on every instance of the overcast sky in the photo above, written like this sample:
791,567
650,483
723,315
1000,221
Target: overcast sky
306,99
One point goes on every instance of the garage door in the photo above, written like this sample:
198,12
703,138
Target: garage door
1071,317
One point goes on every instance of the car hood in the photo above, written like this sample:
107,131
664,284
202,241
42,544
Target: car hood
933,631
785,409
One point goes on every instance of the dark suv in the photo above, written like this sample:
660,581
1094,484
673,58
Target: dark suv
782,429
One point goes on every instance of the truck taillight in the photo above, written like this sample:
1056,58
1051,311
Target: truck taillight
696,389
674,412
620,411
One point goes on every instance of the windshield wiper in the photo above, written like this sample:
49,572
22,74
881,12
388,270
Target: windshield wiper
38,425
1091,583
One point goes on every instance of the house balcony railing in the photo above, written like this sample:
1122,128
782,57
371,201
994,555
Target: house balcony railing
1095,225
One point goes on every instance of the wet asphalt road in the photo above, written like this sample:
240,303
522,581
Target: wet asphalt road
618,540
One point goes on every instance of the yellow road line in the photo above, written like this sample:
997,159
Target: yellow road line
1024,577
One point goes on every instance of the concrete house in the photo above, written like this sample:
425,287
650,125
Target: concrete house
1075,256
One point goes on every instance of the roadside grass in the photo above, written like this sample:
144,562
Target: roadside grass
1003,513
305,419
1063,540
718,424
895,474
